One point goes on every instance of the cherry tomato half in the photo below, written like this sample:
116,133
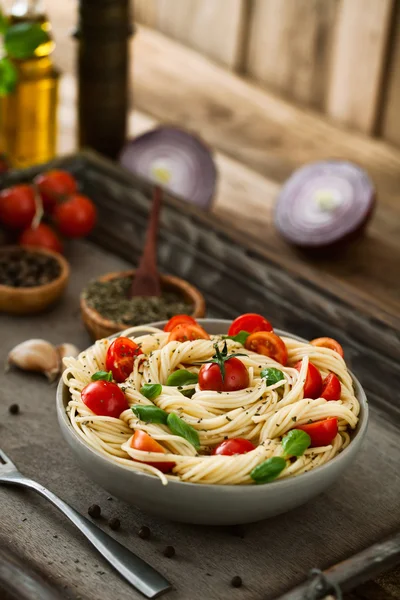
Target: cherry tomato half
142,441
313,384
187,332
326,342
54,186
76,217
120,358
233,446
104,398
331,388
322,433
250,322
236,376
179,320
41,236
268,344
17,206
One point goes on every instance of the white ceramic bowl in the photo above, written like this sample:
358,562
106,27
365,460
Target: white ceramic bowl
209,504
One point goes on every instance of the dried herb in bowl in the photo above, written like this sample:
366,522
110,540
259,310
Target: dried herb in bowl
111,299
22,268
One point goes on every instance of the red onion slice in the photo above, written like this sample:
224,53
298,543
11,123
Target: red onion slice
323,203
176,160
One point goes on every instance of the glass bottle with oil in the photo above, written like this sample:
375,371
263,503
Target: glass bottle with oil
28,116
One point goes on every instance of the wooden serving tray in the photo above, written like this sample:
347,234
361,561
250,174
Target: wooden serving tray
235,276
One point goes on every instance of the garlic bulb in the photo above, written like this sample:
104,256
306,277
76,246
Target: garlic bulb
36,355
67,350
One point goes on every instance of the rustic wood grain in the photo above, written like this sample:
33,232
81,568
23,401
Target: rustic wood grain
289,47
213,28
390,126
358,61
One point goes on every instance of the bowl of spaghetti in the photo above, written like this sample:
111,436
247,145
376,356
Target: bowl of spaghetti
212,421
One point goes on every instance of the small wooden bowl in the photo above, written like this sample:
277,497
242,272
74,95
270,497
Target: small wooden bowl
29,300
99,327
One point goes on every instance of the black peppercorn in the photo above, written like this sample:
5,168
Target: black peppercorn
169,551
114,523
14,409
236,581
94,511
144,532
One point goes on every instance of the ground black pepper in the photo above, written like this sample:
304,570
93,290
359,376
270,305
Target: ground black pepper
144,532
23,268
169,551
236,581
114,523
13,409
94,511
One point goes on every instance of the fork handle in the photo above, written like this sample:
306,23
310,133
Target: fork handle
140,574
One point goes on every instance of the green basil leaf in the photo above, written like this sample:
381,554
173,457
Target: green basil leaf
102,376
240,337
188,393
179,427
295,442
8,77
150,414
272,375
22,39
268,470
151,390
182,377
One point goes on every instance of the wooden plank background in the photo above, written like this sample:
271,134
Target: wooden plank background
340,57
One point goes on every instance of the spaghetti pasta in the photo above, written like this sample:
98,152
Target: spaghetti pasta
262,413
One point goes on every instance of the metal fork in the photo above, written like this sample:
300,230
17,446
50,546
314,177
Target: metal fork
140,574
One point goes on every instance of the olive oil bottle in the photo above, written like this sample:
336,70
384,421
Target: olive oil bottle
28,116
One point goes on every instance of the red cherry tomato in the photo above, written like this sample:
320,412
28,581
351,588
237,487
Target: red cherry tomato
268,344
142,441
236,376
331,388
104,398
250,322
322,433
41,237
233,446
326,342
186,332
179,320
54,186
17,206
313,384
120,358
76,217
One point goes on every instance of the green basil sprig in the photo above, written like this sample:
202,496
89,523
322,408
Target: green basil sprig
272,375
296,442
102,376
151,390
150,414
179,427
22,39
268,470
240,337
182,377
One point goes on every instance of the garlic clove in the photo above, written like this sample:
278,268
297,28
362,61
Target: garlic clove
36,355
67,350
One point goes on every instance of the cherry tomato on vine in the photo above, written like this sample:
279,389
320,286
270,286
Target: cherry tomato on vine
326,342
120,357
268,344
313,383
41,236
54,186
250,322
179,320
142,441
104,398
331,387
236,376
322,433
187,332
233,446
76,216
17,206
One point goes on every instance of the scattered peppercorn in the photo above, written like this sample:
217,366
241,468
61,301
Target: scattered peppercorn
114,523
144,532
94,511
14,409
169,551
236,581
